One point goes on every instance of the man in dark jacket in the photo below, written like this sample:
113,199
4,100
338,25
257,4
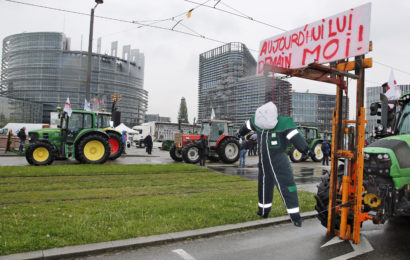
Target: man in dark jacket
148,143
274,135
22,136
203,150
326,151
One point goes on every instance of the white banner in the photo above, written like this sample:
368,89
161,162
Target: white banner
330,39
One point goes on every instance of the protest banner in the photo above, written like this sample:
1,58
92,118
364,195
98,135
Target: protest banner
340,36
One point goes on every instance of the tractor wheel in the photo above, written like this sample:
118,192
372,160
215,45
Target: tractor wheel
176,153
322,200
190,153
93,149
228,150
117,145
295,156
40,154
213,158
317,152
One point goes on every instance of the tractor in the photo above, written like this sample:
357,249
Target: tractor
386,168
76,136
222,144
312,137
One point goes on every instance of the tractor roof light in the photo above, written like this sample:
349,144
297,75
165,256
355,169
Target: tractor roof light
366,156
386,156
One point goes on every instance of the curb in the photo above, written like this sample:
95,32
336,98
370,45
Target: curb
102,247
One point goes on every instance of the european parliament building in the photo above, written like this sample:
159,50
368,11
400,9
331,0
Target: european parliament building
40,68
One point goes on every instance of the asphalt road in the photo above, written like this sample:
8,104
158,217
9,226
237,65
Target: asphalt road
389,241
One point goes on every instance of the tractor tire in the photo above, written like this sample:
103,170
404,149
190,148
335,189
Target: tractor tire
40,154
190,153
93,149
176,153
296,156
317,152
228,150
322,200
117,145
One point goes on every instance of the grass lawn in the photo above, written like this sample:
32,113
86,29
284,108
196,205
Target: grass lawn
55,206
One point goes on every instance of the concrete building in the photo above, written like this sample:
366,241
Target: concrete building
312,109
373,95
40,67
227,84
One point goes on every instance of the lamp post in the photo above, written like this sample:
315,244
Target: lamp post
90,49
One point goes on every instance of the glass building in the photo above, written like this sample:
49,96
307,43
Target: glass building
19,111
373,95
40,67
311,109
227,84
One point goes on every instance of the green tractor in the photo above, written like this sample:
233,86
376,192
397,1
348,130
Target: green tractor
386,166
80,136
312,137
386,172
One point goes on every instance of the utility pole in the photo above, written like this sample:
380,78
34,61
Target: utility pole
90,50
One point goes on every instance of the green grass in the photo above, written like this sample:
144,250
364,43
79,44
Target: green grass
55,206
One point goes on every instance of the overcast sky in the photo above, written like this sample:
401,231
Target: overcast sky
172,59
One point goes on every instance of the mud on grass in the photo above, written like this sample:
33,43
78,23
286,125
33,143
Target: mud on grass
70,205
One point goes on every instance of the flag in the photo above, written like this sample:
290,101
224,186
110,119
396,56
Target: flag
67,107
86,105
212,114
189,13
393,90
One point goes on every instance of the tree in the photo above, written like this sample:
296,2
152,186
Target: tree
183,111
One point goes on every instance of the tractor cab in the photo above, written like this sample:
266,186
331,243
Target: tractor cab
215,129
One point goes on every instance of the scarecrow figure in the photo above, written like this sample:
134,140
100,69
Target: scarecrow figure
274,135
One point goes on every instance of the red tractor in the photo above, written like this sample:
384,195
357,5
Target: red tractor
222,144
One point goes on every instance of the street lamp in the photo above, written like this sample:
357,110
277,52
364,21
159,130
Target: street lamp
90,49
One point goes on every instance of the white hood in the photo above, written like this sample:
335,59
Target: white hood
266,116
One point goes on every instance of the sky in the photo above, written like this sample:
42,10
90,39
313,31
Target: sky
172,58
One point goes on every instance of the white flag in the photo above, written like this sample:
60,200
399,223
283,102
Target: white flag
67,107
393,90
86,105
212,114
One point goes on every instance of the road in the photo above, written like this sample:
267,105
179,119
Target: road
389,241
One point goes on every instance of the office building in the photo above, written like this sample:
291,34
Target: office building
228,85
312,109
40,67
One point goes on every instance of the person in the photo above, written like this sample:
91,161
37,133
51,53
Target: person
124,140
148,143
251,143
274,134
203,150
242,152
22,136
255,146
325,150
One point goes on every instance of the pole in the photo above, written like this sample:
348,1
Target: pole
90,49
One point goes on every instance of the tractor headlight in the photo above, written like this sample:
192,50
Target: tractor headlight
379,127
